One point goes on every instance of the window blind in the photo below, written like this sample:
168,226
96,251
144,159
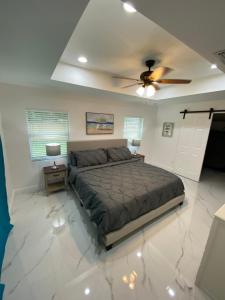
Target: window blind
46,127
133,128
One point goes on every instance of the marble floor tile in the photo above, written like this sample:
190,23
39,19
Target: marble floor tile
52,253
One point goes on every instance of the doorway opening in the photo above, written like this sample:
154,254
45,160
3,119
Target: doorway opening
215,150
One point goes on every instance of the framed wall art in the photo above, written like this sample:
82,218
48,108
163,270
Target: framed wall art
99,123
167,129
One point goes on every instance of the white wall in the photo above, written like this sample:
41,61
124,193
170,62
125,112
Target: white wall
9,185
14,100
164,150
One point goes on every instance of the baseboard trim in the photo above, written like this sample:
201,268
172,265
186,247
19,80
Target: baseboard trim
26,189
19,191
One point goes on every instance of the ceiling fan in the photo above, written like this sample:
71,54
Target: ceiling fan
151,79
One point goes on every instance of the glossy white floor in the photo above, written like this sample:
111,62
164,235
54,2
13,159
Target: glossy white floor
50,253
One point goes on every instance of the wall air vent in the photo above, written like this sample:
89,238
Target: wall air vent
221,55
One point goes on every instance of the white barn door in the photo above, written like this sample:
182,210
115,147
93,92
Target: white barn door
191,146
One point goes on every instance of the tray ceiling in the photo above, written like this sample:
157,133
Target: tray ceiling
116,42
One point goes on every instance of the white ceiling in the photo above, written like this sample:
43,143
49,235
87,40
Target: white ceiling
119,43
116,42
33,35
37,34
199,24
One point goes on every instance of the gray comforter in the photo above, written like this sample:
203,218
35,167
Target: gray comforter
116,193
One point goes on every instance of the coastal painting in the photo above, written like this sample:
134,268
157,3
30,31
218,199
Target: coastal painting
99,123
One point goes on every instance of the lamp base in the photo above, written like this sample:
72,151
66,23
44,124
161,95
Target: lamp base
54,167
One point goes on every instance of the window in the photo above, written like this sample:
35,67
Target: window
46,127
133,128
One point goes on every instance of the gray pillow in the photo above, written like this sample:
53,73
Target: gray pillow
90,157
117,154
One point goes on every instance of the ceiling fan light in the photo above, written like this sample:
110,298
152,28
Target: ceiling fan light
140,91
150,91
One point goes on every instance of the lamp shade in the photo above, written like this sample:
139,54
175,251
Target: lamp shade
53,149
136,143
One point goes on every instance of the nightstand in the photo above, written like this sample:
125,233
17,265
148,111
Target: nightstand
140,156
55,179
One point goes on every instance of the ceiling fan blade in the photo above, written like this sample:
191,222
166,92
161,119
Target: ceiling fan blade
127,78
173,81
130,85
159,72
156,86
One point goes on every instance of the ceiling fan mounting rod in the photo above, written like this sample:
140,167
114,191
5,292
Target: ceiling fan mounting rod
149,63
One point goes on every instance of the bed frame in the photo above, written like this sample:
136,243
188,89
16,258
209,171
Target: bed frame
113,237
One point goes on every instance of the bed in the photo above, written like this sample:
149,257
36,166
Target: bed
120,195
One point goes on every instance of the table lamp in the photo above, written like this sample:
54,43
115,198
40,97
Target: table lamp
53,149
137,144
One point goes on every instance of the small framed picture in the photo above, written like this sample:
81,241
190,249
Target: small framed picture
167,129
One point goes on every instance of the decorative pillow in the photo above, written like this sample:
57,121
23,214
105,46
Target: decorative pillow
117,154
90,157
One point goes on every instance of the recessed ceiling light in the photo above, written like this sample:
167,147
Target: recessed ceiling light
139,254
171,292
87,291
82,59
129,7
213,66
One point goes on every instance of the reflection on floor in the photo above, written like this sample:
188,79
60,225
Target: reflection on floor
51,255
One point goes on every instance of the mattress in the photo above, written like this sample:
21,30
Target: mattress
117,193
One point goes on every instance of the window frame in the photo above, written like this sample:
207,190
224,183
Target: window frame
45,158
142,129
